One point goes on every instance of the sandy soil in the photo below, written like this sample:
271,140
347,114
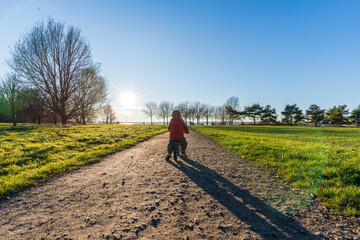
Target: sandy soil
136,194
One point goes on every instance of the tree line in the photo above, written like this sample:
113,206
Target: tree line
230,111
53,78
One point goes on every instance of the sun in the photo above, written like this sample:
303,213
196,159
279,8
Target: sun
128,98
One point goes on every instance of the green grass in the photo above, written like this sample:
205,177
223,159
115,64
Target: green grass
302,155
29,153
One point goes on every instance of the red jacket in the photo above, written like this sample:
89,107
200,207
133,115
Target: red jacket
177,127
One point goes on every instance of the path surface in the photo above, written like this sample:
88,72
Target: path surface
135,194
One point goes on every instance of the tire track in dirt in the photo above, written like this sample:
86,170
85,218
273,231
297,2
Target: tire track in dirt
135,194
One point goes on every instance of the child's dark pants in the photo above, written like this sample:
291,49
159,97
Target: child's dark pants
172,144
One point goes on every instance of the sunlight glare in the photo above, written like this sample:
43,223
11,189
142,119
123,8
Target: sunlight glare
128,98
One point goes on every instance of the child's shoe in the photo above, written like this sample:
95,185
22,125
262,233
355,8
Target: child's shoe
167,158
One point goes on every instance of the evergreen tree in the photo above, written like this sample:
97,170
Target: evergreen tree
337,115
268,114
315,114
292,114
354,115
299,117
236,115
254,112
234,104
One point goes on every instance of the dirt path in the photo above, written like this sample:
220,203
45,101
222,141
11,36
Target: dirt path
135,194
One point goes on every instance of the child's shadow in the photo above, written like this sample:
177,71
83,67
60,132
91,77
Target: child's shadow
276,225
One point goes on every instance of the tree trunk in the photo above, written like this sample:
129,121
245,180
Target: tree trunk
83,120
63,120
14,121
63,117
55,118
63,113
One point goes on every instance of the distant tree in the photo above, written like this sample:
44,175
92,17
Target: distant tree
191,112
164,110
169,107
230,114
315,114
53,60
199,109
36,108
299,117
254,112
354,115
236,115
208,113
161,112
337,115
150,110
268,115
90,96
216,115
184,110
109,114
13,97
221,113
234,103
292,114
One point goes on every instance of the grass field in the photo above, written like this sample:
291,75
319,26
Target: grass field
324,160
29,153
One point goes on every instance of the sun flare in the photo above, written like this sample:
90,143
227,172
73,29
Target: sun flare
128,98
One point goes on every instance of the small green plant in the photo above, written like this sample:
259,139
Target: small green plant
324,161
29,153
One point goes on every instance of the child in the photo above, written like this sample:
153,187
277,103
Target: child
177,128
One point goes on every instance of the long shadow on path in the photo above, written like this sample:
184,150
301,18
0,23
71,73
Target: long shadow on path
264,220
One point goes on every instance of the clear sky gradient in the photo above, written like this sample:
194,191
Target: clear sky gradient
267,52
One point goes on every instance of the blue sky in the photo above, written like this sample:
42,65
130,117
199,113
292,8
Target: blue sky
267,52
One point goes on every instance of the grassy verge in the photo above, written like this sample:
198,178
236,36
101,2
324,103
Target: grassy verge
29,153
325,161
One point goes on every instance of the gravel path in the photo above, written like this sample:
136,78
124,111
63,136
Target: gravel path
136,194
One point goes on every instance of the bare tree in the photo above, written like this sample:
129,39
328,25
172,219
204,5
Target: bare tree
90,96
109,114
184,110
208,112
36,109
216,114
150,110
13,97
198,111
191,113
53,60
164,110
221,113
234,103
168,108
161,111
